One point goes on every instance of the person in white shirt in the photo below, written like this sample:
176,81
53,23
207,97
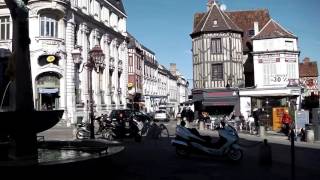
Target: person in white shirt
250,122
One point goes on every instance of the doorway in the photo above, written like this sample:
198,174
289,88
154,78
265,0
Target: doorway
48,89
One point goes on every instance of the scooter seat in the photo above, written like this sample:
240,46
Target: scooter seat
195,132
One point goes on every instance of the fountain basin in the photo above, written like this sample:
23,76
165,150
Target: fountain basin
33,122
67,153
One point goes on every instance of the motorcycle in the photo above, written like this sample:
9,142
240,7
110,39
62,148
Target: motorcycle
189,140
83,129
126,128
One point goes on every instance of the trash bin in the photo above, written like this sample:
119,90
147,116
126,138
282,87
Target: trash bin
317,132
309,133
262,131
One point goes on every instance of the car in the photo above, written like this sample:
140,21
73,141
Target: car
141,116
114,114
128,113
161,115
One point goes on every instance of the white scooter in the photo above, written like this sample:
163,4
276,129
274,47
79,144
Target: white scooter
189,140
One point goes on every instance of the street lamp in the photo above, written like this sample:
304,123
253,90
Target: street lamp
76,55
95,62
77,60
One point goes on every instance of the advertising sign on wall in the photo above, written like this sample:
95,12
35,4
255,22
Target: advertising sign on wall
277,113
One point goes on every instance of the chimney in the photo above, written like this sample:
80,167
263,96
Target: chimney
209,4
173,68
306,60
256,27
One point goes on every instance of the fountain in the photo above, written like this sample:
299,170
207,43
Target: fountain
19,145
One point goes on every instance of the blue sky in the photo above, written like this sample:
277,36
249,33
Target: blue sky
164,26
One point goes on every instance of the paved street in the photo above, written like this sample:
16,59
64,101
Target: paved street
156,159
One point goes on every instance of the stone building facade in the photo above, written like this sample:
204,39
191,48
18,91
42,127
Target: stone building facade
57,29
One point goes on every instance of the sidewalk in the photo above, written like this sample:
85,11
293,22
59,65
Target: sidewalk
59,133
271,136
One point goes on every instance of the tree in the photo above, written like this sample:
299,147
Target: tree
19,63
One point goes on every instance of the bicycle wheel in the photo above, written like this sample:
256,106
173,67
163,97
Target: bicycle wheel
164,131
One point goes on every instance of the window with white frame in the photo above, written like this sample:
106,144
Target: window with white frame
5,28
216,47
217,71
48,26
291,70
269,72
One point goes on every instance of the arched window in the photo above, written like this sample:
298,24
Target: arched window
48,26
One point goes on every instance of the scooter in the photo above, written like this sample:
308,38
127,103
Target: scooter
83,129
129,127
189,140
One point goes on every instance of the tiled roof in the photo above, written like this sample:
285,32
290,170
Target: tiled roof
308,69
273,30
245,20
197,19
214,20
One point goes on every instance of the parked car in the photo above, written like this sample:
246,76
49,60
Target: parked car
161,115
128,113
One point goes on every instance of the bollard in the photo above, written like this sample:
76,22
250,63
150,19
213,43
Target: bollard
201,125
262,131
317,132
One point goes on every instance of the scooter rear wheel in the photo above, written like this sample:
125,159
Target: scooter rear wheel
235,154
81,135
107,135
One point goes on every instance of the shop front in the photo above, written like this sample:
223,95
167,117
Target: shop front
47,91
270,103
217,101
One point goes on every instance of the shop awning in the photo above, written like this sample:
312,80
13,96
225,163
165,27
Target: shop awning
48,90
189,102
227,101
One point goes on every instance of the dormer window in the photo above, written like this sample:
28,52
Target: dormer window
289,45
251,32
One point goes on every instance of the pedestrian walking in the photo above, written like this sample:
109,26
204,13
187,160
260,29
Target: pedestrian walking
184,113
256,114
190,115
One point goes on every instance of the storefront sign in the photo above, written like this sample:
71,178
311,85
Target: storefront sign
50,59
277,113
48,90
279,78
220,94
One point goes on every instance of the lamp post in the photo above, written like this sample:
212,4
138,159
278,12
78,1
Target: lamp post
77,60
95,62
